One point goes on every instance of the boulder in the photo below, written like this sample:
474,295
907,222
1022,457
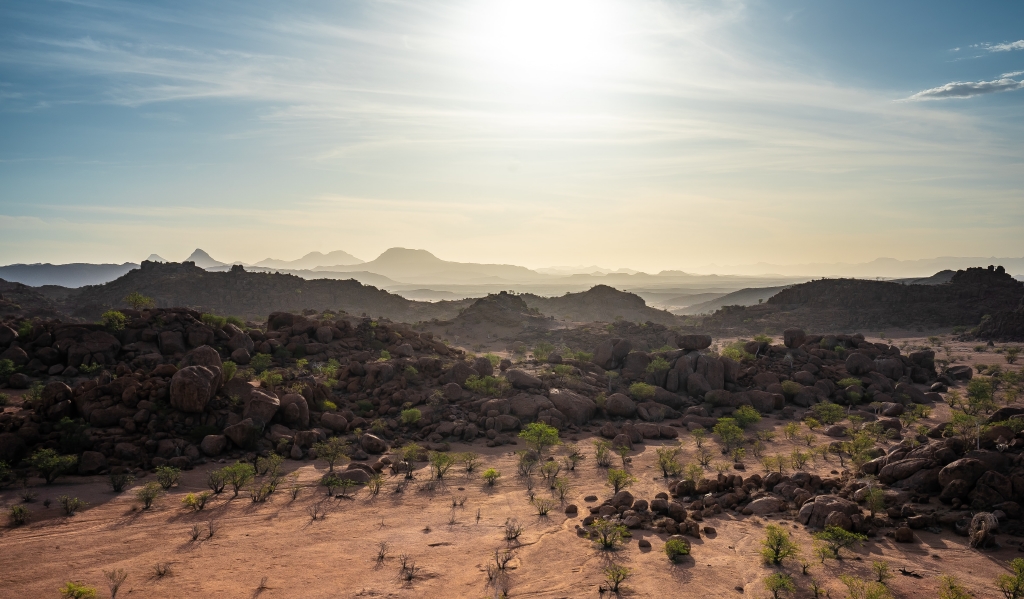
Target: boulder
171,342
193,387
526,406
794,337
983,527
521,379
966,469
765,505
241,340
858,364
903,534
213,445
693,342
697,385
461,371
92,462
295,411
961,372
241,356
814,513
203,355
577,408
620,406
262,406
244,434
334,422
373,444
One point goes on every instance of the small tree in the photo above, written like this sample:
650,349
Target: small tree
620,479
777,545
1011,354
728,432
602,453
746,415
440,463
50,464
881,570
779,583
699,437
238,475
138,301
676,548
168,476
539,436
491,476
859,589
332,451
1012,587
836,538
875,500
668,460
616,575
148,494
606,533
115,578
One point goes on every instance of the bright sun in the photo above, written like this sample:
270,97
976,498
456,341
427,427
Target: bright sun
541,42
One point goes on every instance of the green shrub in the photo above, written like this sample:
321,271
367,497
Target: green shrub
330,406
214,321
488,385
746,415
137,301
777,545
196,501
114,320
70,505
791,388
74,590
7,368
25,329
779,583
491,476
229,369
849,382
539,435
260,362
493,359
50,464
828,412
641,391
620,479
411,416
836,538
607,534
658,364
762,338
148,494
238,322
19,515
1012,587
168,476
542,350
728,432
238,475
675,548
563,369
385,355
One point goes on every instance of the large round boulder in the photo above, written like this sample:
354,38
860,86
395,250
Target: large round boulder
262,406
858,364
577,408
619,406
794,338
815,513
965,469
295,411
693,342
193,387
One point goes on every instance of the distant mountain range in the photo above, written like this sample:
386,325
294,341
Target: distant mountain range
887,268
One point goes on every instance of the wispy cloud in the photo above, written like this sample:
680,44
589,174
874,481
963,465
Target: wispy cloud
969,89
1006,46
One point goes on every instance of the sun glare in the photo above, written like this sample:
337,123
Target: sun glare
542,42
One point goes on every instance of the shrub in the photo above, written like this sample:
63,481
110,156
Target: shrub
849,382
791,388
115,578
7,368
25,329
260,362
70,505
728,432
543,506
658,364
410,417
543,350
1012,587
668,460
488,385
74,590
859,589
216,480
229,369
539,436
836,538
513,529
114,320
616,575
641,391
828,412
238,322
329,405
168,476
779,583
674,548
148,494
196,501
746,415
440,463
331,451
563,369
620,479
491,476
607,534
777,545
238,475
214,321
19,515
50,464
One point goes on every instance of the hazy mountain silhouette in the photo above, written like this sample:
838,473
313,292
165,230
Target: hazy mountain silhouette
156,258
203,260
420,266
65,275
313,260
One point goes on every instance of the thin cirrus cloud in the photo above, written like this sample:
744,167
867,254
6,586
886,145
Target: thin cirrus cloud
1006,46
969,89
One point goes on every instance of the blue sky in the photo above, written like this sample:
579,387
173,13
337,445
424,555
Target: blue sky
640,133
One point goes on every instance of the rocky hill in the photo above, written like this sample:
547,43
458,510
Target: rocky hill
854,304
19,301
249,295
600,303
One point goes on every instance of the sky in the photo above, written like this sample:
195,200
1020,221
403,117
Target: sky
648,134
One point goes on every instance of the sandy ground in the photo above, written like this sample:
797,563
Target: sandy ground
335,557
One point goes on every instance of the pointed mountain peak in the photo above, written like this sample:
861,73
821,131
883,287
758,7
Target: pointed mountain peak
155,258
202,259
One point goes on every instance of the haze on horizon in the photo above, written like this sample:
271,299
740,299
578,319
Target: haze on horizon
645,134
